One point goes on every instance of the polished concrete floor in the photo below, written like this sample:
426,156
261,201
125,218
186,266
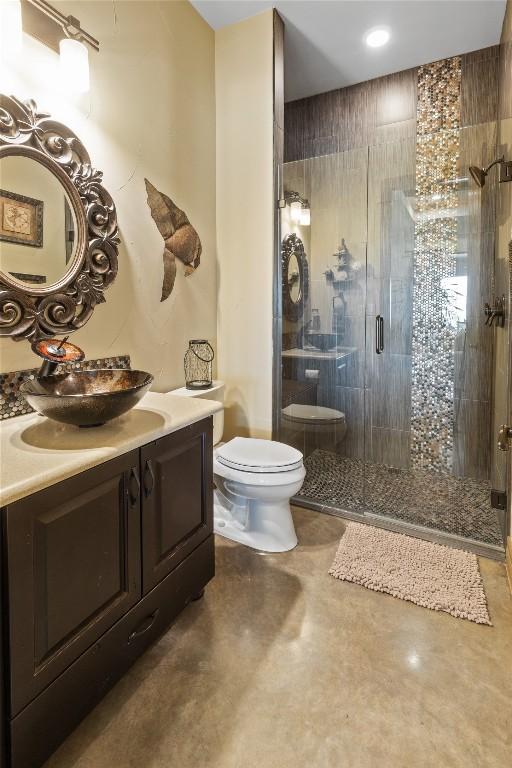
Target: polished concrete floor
282,666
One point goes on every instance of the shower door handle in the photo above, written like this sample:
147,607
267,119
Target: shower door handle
379,334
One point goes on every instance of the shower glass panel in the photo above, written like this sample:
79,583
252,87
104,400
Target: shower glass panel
323,349
388,368
429,375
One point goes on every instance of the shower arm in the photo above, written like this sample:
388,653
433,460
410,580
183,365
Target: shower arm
505,169
495,162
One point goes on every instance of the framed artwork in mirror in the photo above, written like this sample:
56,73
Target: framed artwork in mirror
26,278
21,219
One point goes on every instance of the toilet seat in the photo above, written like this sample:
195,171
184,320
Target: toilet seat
247,454
315,415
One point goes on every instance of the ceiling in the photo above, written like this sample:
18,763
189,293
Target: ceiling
324,39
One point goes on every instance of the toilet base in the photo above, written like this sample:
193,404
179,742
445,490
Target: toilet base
266,526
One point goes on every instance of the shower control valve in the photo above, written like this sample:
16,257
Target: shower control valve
504,437
495,313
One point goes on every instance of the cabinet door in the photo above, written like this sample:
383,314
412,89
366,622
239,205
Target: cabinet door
177,498
73,570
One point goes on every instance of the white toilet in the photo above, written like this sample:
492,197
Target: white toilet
323,427
255,481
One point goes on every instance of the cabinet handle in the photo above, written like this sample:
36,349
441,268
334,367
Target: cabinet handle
381,334
133,486
149,479
144,626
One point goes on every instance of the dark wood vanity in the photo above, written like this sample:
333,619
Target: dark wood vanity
94,569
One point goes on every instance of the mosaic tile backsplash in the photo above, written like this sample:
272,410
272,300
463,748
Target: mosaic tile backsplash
435,247
13,404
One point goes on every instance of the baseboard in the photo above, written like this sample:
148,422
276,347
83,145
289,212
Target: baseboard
508,561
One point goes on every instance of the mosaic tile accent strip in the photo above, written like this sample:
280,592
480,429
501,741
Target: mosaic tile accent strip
433,324
460,506
13,404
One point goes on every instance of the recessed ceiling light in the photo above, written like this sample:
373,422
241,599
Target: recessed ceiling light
377,37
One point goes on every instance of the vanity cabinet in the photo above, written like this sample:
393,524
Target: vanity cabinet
73,554
172,472
96,567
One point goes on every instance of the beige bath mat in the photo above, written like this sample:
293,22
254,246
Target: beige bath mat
430,575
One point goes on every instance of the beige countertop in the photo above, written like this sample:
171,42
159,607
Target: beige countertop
36,452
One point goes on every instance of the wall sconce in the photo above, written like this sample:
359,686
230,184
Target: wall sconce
10,26
295,210
64,35
300,211
305,214
74,64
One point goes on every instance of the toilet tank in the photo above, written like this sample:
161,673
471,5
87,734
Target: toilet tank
215,392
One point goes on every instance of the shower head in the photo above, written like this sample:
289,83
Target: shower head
479,174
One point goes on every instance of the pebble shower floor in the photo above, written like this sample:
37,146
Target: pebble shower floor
459,506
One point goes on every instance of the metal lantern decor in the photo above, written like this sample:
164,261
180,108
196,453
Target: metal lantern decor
198,364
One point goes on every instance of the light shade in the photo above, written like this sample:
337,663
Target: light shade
295,210
305,217
10,27
74,65
377,37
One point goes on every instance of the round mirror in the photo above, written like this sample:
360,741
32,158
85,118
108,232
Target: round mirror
58,226
294,279
38,228
295,276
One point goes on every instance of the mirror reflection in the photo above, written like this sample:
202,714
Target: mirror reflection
37,223
294,279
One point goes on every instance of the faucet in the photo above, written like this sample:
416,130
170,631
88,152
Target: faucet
55,352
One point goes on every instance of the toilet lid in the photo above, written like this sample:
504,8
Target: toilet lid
248,454
312,414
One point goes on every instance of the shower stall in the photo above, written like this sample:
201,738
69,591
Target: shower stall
388,374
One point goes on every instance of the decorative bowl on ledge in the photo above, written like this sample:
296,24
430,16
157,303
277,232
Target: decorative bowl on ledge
86,398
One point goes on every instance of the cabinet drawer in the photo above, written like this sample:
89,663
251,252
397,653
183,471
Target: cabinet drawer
39,729
177,498
73,553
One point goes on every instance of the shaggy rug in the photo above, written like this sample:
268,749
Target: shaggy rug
427,574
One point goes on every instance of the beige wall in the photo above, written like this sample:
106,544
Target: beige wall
244,97
150,112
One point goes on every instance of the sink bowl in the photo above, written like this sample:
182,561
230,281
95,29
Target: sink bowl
86,398
322,341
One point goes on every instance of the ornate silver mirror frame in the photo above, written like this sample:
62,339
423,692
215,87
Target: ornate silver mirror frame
34,312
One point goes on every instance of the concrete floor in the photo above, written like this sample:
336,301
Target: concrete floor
282,666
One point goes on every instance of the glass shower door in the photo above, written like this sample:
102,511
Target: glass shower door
323,348
391,199
429,355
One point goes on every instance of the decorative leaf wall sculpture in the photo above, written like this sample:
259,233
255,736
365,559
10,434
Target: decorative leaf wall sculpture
180,238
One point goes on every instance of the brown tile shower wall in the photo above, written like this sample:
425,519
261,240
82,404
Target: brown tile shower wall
378,119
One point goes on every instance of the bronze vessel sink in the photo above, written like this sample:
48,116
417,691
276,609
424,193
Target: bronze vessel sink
86,398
